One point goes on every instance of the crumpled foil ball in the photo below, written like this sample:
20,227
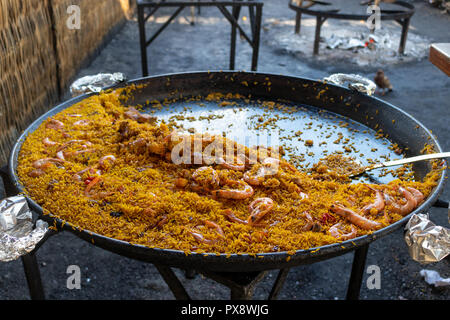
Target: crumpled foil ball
95,83
426,242
17,236
353,81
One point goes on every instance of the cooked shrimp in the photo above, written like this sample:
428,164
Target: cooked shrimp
87,191
310,222
54,124
214,225
82,123
337,231
46,162
200,238
310,225
416,194
405,209
355,218
83,143
236,194
49,143
102,161
75,153
138,146
180,182
378,204
92,170
131,113
230,166
36,173
162,222
255,178
134,114
259,208
232,217
206,177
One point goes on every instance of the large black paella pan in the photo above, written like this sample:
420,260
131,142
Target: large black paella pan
347,114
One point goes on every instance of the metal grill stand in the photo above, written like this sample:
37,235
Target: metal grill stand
255,15
403,17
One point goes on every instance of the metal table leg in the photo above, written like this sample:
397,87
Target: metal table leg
142,37
256,36
356,276
405,26
319,21
235,12
33,276
298,22
232,17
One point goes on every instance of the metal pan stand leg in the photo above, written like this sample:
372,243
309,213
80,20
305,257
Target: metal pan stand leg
173,282
241,285
33,276
356,277
190,273
29,261
279,282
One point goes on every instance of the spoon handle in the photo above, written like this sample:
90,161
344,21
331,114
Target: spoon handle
410,160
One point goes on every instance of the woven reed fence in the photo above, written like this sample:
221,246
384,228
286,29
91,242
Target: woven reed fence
39,55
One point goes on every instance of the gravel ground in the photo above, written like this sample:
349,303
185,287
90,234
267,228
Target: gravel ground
419,88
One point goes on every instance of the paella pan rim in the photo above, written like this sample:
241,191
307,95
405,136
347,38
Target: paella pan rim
258,260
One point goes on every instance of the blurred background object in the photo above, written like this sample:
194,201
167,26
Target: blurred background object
40,55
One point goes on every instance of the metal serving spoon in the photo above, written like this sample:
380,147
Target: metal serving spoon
362,169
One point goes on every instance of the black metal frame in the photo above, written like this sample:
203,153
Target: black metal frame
403,17
255,15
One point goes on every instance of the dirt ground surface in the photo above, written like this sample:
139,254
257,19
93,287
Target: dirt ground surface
420,89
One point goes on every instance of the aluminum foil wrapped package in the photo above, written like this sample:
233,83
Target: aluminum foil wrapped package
17,235
95,83
426,242
353,81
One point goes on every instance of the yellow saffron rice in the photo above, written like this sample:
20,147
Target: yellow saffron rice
144,198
